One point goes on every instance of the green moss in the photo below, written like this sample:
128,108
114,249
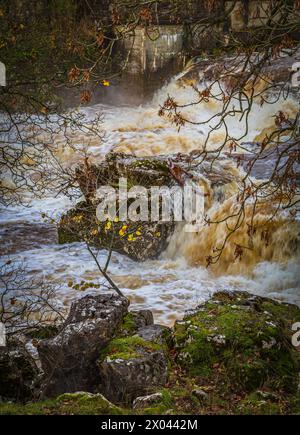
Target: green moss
128,325
162,405
66,404
253,404
249,342
128,347
295,405
289,313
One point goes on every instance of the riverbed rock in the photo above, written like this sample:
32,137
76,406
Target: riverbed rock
18,372
245,339
139,237
133,366
142,317
209,70
137,240
69,359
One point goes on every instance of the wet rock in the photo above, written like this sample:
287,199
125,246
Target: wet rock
140,238
145,401
137,240
145,171
267,163
69,359
18,372
245,339
25,236
208,70
131,367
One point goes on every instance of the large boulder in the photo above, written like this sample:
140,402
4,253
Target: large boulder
243,340
137,239
142,239
18,372
69,359
134,366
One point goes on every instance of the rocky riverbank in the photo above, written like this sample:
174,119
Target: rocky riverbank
231,355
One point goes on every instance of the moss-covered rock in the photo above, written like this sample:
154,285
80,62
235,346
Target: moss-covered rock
136,236
155,404
246,337
137,240
133,321
231,355
132,366
128,347
79,403
142,171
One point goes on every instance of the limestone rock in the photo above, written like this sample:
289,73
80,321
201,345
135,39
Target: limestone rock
155,333
69,359
138,239
131,367
134,320
245,339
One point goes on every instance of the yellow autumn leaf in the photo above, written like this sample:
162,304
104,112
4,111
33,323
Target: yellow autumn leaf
77,218
107,226
131,238
123,230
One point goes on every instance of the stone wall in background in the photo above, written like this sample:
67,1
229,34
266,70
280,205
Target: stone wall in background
152,47
159,49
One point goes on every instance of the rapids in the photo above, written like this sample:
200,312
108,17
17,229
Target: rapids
179,279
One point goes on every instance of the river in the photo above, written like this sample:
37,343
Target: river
179,279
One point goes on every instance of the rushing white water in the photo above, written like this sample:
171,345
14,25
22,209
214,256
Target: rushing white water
173,283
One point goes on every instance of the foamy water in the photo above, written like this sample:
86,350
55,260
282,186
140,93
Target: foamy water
179,279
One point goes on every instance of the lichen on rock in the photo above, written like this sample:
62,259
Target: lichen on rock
132,366
246,336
